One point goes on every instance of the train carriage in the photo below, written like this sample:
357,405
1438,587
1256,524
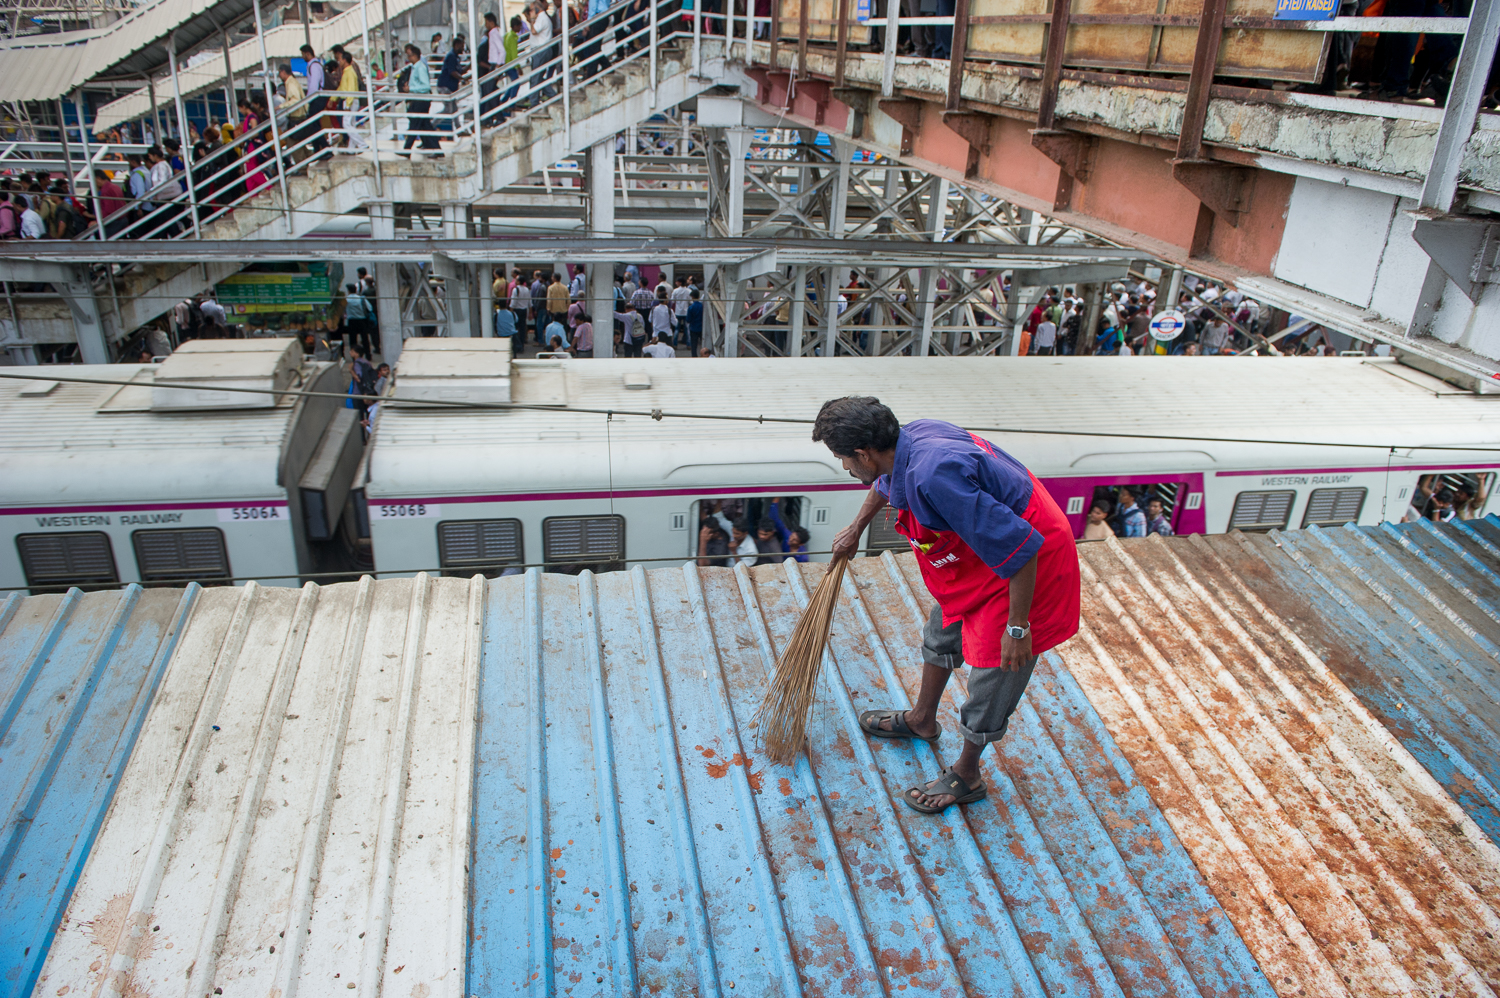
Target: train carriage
106,484
587,476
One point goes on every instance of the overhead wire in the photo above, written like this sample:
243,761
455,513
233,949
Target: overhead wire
660,414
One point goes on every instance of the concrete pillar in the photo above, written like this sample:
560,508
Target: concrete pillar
1023,310
733,309
483,274
799,311
1174,289
78,290
738,141
601,276
387,282
839,201
831,312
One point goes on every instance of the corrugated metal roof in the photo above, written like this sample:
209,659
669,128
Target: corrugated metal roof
1343,863
78,674
551,785
132,47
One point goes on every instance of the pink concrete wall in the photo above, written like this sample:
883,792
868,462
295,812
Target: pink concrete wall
1132,186
1015,163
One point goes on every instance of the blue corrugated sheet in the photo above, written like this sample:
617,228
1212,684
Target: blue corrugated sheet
1266,765
630,838
77,674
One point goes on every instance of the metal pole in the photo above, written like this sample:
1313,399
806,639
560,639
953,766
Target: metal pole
62,129
83,133
892,28
799,310
1174,290
265,79
698,37
182,132
479,103
229,101
653,50
364,33
155,113
567,81
307,24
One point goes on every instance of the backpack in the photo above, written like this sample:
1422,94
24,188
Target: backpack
404,79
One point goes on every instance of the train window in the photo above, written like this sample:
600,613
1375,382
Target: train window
190,554
572,543
1333,507
711,511
1449,494
479,547
1262,511
882,534
54,562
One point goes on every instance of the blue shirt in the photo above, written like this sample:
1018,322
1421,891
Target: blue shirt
355,307
695,316
948,482
452,70
1133,519
555,329
505,322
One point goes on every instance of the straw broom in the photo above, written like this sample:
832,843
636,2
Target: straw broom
782,716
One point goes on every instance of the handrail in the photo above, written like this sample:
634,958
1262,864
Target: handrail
244,168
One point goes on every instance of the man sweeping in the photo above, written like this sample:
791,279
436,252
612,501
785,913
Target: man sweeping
996,553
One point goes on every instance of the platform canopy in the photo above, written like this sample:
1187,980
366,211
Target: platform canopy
46,67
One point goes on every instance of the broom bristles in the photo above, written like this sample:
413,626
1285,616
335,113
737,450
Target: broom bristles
782,717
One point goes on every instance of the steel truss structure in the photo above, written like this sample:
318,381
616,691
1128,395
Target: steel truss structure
781,184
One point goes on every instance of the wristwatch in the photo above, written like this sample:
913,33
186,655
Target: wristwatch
1018,632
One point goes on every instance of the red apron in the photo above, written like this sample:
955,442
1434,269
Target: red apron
969,590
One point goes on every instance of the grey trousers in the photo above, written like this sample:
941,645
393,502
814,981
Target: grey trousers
994,694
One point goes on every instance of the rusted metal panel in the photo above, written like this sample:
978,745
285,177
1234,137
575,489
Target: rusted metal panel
1227,673
1125,35
822,20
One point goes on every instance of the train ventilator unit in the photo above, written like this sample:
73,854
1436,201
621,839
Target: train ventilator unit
193,471
578,472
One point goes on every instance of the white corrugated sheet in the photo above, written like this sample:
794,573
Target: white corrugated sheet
295,816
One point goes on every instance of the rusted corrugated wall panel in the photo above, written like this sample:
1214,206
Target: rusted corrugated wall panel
1344,864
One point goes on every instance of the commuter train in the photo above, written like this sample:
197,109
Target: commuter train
159,484
105,484
1250,443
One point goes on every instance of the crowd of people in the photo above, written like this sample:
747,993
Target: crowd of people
1442,498
751,531
1126,511
551,310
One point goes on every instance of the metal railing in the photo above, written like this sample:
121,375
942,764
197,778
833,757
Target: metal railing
387,121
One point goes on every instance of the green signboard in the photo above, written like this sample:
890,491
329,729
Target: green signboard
293,292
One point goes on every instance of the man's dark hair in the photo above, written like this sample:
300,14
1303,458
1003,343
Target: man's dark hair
745,527
800,535
1445,496
766,523
696,296
285,69
308,49
856,422
1102,505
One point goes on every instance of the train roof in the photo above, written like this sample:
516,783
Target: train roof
69,442
1162,413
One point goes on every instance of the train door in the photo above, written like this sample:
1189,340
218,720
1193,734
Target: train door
1445,495
719,515
1181,498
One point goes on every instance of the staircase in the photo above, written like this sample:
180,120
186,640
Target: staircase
519,148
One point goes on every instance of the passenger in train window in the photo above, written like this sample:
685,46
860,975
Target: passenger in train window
793,541
1156,520
713,545
1440,509
1097,529
1132,518
768,542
